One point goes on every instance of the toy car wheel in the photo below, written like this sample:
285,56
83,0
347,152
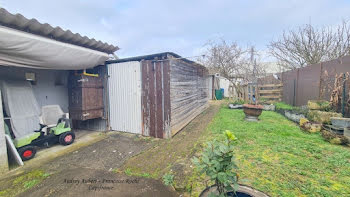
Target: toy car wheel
67,138
27,152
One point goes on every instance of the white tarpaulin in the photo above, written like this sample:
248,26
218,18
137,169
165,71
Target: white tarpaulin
21,105
23,49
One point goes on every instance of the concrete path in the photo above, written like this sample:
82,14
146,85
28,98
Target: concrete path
89,171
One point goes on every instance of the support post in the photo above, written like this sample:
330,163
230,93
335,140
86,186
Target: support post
343,96
3,148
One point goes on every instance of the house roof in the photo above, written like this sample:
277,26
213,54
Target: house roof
19,22
159,56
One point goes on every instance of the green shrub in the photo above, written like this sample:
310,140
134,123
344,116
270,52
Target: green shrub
218,163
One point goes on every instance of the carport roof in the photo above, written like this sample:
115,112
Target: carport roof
19,22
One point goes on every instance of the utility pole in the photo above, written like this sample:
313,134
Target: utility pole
255,80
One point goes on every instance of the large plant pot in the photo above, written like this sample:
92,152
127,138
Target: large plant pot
252,112
243,191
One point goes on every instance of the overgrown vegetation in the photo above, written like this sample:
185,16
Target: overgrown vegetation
283,105
23,183
239,102
273,155
276,157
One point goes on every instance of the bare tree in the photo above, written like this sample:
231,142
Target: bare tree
310,45
232,62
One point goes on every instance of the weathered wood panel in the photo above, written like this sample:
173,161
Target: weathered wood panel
188,93
85,97
156,98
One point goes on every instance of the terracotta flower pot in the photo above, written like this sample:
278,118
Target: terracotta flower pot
252,112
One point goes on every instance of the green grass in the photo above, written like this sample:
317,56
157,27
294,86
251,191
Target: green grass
282,105
276,157
130,172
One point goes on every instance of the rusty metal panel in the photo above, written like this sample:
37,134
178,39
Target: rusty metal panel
166,99
124,89
308,86
156,98
327,80
289,80
146,105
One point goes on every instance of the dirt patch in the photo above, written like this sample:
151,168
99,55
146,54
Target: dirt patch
173,155
91,182
107,154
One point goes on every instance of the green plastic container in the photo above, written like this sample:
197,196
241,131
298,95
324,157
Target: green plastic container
218,94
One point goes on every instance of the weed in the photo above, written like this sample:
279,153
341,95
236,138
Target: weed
168,179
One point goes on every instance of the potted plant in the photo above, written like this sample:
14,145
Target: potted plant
252,111
218,163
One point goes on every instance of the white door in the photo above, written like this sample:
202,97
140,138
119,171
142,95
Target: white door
124,88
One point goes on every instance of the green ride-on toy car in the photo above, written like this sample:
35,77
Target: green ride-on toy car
62,133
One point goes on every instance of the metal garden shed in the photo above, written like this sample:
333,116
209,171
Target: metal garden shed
155,95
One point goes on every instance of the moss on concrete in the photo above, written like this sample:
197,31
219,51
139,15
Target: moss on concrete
22,183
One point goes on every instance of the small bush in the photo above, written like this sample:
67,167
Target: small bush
168,179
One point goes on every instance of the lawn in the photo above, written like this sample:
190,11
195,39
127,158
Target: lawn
277,157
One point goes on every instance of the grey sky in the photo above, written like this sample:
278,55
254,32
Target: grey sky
142,27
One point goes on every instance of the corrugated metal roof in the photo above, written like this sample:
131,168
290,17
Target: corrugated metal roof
19,22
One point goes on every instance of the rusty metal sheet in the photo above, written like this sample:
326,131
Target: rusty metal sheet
156,98
308,86
289,80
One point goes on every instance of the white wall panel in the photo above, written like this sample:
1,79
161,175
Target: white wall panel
124,89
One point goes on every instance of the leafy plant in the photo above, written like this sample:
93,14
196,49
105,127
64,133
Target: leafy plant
239,102
218,162
168,179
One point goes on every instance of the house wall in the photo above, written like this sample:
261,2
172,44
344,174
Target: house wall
189,93
225,83
50,88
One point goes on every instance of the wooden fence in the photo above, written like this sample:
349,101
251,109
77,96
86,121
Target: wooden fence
265,92
270,92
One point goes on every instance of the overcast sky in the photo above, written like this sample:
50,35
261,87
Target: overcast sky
143,27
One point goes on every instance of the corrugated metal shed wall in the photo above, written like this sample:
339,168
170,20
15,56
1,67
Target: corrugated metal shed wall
124,88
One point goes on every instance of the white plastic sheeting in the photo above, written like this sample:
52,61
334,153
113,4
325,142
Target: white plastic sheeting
23,49
21,105
124,88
